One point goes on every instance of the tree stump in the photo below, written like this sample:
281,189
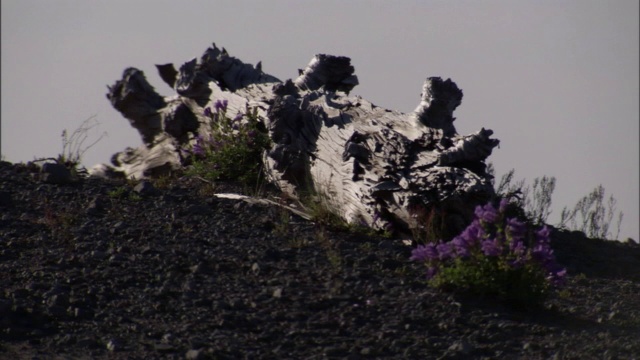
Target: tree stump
370,165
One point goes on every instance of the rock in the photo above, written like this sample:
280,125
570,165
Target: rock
461,347
96,206
164,348
99,255
145,188
194,354
57,311
53,173
87,342
81,313
58,300
114,345
5,199
277,293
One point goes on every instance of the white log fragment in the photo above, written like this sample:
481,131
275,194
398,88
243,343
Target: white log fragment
371,165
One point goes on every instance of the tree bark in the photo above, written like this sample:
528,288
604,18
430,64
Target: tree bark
371,165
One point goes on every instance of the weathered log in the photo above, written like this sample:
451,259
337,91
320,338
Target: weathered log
370,165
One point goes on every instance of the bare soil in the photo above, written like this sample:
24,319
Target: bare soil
96,270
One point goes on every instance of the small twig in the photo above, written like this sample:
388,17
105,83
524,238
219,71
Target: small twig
253,200
203,179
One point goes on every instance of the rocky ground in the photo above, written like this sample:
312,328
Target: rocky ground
95,269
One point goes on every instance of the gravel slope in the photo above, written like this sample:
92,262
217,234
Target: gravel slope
94,270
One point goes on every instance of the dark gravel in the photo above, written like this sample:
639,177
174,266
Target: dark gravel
96,269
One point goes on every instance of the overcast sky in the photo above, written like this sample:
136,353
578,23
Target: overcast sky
557,81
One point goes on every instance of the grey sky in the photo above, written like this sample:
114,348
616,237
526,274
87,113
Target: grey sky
557,81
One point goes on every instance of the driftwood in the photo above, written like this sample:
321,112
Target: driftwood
373,166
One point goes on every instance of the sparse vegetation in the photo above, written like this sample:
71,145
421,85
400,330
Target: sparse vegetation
321,212
118,193
281,228
60,223
590,215
123,192
495,255
73,147
536,207
233,150
163,182
500,253
325,216
333,254
429,226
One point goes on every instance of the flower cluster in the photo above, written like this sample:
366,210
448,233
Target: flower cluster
494,254
233,150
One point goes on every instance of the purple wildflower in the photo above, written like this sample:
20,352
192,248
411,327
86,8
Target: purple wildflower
503,205
198,147
445,251
207,111
461,246
503,241
555,274
472,233
221,105
542,235
198,150
516,228
491,247
424,253
516,263
376,217
238,116
486,213
543,254
479,212
517,247
558,276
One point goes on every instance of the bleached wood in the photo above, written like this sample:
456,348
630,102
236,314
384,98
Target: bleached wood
373,166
